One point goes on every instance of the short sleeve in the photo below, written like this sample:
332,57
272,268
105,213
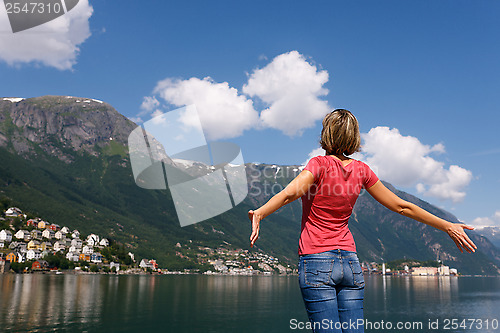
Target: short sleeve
370,177
314,166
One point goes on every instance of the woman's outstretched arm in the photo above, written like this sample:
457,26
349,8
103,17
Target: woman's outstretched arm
297,188
455,230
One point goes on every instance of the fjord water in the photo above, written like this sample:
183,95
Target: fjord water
199,303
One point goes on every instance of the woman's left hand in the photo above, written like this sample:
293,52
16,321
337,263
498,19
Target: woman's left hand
255,218
457,233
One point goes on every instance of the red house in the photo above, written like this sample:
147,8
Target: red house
54,227
40,265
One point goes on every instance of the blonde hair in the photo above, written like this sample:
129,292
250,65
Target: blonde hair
340,133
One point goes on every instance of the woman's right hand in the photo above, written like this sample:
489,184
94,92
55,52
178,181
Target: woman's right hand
458,235
255,218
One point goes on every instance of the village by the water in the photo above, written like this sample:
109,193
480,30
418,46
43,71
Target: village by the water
33,245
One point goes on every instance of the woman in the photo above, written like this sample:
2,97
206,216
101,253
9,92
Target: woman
330,275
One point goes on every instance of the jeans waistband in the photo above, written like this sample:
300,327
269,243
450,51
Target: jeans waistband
337,253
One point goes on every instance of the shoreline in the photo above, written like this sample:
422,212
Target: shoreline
222,274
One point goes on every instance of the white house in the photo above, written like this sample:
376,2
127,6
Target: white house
74,249
13,245
48,233
59,234
21,257
18,246
33,254
93,240
104,242
76,242
6,235
72,256
145,263
115,265
65,230
59,246
75,234
87,249
13,212
23,234
66,241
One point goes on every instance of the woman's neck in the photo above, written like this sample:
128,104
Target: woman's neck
340,157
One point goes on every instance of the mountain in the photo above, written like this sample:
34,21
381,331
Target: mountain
492,233
66,159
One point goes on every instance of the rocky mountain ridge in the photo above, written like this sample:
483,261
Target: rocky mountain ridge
56,123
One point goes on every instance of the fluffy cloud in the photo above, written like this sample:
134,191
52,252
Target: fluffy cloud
149,106
149,103
405,161
291,86
55,43
487,221
223,112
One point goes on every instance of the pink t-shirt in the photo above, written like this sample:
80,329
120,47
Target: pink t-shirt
328,204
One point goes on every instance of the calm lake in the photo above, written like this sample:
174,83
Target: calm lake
198,303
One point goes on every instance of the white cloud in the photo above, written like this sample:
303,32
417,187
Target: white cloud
316,152
487,221
223,112
452,184
291,86
149,103
156,117
482,222
136,120
149,106
405,161
54,44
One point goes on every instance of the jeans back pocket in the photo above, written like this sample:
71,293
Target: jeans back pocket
317,272
357,273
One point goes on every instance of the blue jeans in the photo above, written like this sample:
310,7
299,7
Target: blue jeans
332,286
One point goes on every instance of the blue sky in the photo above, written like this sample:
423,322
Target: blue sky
421,76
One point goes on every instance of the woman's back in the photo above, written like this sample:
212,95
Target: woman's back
328,204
